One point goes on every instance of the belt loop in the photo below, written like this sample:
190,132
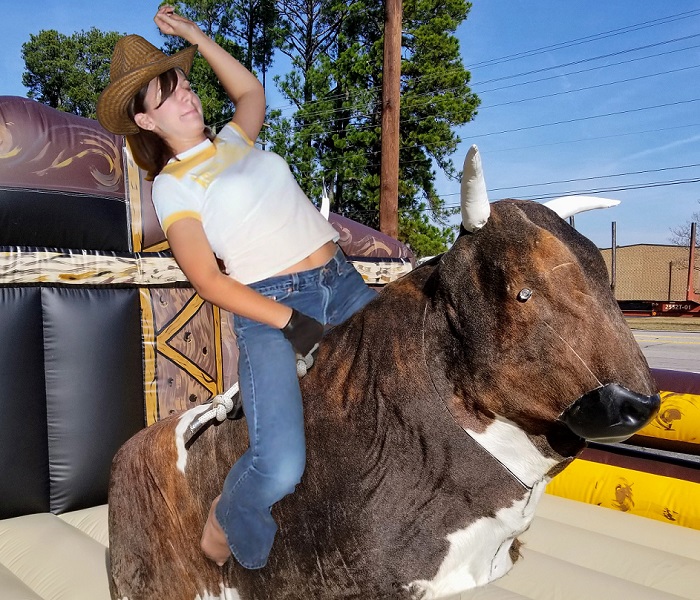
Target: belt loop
338,257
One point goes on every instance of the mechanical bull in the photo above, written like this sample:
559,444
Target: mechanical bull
435,418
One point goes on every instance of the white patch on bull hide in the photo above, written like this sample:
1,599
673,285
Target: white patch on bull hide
183,423
510,445
224,594
479,553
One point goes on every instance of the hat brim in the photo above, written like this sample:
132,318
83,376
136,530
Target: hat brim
114,100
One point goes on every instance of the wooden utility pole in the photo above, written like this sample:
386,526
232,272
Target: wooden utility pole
391,94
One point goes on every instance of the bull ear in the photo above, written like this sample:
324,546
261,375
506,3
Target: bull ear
568,206
475,201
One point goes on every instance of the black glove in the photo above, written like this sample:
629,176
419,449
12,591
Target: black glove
303,332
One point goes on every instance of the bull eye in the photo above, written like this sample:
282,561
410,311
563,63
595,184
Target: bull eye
524,295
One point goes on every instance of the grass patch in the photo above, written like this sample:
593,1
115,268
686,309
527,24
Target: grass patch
691,324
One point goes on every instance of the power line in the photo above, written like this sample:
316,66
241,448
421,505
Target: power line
539,125
594,138
611,175
563,45
339,162
590,59
599,190
649,184
645,171
578,72
622,188
578,41
603,190
301,127
590,87
586,39
578,119
531,146
374,91
428,96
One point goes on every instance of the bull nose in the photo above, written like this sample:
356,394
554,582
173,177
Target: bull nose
610,413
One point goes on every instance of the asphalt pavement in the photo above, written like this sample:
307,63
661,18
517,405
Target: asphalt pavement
677,350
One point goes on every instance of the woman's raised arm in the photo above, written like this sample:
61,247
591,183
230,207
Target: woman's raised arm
244,89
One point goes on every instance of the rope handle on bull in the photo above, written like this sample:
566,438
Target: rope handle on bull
229,405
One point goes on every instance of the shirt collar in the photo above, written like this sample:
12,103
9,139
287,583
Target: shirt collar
203,145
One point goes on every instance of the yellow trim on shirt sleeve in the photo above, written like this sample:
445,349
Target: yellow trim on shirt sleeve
176,216
242,133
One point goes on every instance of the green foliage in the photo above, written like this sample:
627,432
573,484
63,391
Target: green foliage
424,238
68,72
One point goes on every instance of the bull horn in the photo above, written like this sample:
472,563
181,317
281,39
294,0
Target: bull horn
568,206
475,200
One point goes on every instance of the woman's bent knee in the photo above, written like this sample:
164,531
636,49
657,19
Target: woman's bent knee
284,475
290,469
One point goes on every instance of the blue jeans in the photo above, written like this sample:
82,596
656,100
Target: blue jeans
274,462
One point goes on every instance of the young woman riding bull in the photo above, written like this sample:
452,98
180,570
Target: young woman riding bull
220,196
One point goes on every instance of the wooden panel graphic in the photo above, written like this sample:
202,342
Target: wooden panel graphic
183,350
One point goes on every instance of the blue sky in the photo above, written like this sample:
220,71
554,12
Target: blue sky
566,88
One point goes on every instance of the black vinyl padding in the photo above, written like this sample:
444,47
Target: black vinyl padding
71,393
24,460
61,220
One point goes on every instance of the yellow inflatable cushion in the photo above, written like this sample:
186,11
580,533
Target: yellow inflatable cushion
668,499
678,419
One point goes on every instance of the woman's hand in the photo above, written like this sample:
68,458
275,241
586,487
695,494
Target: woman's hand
303,332
171,23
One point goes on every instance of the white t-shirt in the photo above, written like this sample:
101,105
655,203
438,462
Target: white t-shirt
256,217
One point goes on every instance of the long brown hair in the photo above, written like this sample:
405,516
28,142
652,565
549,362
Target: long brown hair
150,151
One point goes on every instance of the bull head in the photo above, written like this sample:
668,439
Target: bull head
608,411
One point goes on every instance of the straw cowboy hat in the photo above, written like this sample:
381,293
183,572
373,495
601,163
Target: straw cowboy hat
134,63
